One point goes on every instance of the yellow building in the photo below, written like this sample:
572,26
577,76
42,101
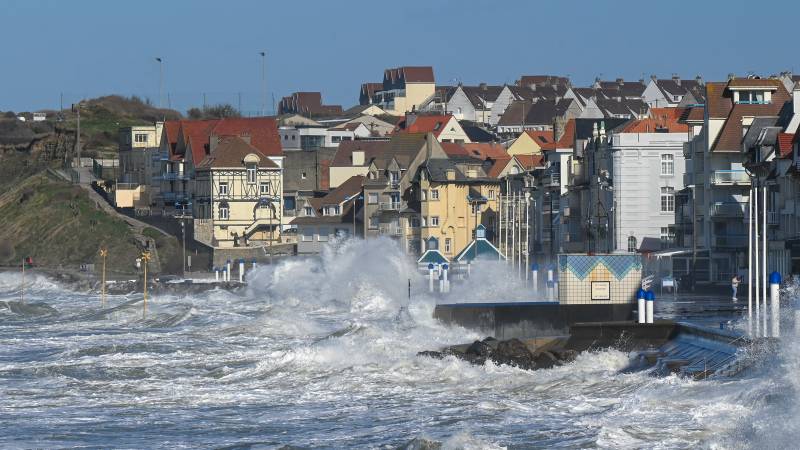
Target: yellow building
531,143
238,196
405,89
455,196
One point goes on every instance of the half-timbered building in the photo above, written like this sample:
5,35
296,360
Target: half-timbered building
238,201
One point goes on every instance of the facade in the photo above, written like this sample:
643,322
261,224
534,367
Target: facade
673,92
531,143
444,127
139,162
404,89
237,202
334,216
353,159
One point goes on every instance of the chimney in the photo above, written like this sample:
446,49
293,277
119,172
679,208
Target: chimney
731,76
699,80
620,81
676,79
245,136
558,128
411,118
653,77
482,86
358,157
451,174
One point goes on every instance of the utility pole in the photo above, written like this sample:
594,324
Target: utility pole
183,237
103,253
145,260
160,81
263,82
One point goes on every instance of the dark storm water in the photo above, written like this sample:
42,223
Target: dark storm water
316,354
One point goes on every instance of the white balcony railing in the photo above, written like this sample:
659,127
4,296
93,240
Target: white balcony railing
730,177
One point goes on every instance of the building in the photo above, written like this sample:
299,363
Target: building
404,89
720,185
308,104
353,159
531,142
237,199
444,127
471,103
673,92
536,116
139,161
305,175
336,215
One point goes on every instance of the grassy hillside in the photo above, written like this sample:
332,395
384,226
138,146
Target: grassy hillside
56,224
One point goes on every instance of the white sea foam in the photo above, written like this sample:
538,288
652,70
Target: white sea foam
321,352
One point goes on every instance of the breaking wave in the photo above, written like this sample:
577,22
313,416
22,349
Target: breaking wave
321,353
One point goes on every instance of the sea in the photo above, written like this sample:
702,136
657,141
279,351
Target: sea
321,353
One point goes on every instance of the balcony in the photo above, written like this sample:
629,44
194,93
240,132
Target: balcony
728,210
552,179
391,230
170,197
160,156
731,241
172,176
391,206
730,178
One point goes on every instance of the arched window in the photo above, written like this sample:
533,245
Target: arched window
632,244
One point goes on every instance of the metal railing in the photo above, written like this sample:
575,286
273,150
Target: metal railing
391,206
724,177
728,209
172,176
391,231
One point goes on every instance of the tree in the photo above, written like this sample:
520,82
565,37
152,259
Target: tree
221,111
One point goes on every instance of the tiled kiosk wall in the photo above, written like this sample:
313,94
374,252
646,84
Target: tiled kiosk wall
623,272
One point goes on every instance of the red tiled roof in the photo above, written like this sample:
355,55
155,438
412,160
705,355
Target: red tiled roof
719,106
485,150
424,124
530,161
230,152
195,135
693,114
785,142
171,131
567,139
541,137
263,132
753,82
453,149
660,119
730,137
372,149
498,166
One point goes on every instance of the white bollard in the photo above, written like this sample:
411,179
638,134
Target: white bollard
431,276
228,270
535,276
241,271
650,300
641,307
775,302
216,273
254,265
550,284
445,269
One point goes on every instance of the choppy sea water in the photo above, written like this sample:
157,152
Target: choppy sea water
321,353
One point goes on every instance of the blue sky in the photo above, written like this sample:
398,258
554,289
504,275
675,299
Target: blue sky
85,49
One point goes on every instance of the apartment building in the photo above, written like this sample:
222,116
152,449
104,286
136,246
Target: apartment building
404,89
139,161
333,216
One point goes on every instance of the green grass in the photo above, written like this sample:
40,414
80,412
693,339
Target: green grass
57,224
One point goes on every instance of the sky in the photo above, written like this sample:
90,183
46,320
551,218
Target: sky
210,49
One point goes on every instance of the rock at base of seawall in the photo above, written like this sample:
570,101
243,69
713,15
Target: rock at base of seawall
512,352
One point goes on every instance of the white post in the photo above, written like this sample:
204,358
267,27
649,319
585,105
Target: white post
757,279
216,273
640,306
513,230
650,303
469,268
750,264
550,283
500,226
519,237
774,300
445,268
228,270
764,254
527,236
430,277
535,277
254,265
241,271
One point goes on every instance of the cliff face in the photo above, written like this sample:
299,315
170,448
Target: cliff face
41,142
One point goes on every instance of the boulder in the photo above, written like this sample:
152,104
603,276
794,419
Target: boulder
545,360
480,349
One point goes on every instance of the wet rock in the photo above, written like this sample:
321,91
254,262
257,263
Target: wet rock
545,360
514,353
432,354
479,349
421,444
565,356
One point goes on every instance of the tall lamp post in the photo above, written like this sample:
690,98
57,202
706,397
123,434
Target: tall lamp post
263,82
160,80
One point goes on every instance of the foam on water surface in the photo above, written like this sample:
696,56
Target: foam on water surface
321,353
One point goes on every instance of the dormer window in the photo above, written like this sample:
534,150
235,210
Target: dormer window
308,211
751,98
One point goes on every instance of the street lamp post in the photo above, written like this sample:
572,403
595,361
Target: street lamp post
263,82
160,80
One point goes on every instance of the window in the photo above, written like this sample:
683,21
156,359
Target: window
424,222
667,164
414,222
140,138
423,195
751,97
667,237
336,139
308,211
434,194
434,221
224,212
372,198
373,222
394,177
223,188
323,234
491,194
476,208
308,234
288,203
303,175
667,199
332,210
252,174
285,137
263,188
447,245
632,244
